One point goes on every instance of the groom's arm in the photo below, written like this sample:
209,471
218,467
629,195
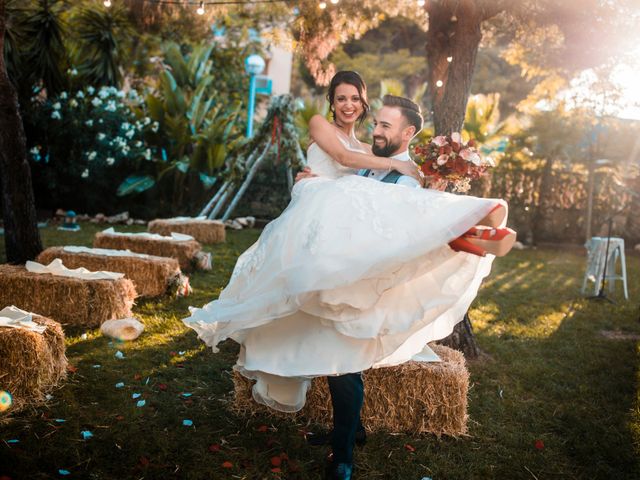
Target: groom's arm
408,182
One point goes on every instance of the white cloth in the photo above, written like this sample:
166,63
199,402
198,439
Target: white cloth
354,274
57,268
104,251
13,317
403,180
175,237
183,219
122,329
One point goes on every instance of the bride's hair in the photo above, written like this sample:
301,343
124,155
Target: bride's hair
351,78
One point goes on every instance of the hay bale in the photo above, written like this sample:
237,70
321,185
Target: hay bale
415,397
67,300
184,251
151,275
205,231
32,363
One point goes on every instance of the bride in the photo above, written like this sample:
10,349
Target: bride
355,273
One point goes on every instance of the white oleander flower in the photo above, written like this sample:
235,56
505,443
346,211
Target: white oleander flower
64,95
130,134
91,90
89,123
110,161
80,94
147,154
72,71
56,115
125,126
92,155
138,144
56,106
111,106
85,174
73,103
120,94
155,126
101,136
125,149
103,93
35,150
96,102
147,120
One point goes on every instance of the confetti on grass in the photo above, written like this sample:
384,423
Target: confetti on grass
136,395
119,384
187,422
63,472
86,434
141,403
119,355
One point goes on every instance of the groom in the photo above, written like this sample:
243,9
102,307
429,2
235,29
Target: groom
396,124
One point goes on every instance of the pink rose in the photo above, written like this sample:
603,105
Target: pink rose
440,140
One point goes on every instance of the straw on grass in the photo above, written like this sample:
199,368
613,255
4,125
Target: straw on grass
151,276
205,231
67,300
413,398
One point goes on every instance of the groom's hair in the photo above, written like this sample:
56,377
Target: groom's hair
409,109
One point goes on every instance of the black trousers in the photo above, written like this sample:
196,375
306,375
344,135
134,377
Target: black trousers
347,395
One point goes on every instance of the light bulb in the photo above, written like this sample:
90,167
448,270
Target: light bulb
439,83
200,9
322,5
107,3
334,1
421,3
449,59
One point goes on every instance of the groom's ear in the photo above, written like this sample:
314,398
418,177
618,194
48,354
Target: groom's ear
409,132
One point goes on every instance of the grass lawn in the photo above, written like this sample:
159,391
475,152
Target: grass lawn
548,374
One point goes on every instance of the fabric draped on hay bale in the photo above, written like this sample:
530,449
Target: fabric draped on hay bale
413,398
32,363
205,231
152,276
67,300
185,252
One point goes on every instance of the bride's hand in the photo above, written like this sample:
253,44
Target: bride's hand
410,169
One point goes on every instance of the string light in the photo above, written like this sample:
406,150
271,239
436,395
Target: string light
335,1
322,5
439,83
449,59
421,3
107,3
200,10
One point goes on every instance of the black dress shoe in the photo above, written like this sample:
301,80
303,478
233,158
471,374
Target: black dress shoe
320,439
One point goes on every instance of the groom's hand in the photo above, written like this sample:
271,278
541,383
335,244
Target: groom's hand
305,173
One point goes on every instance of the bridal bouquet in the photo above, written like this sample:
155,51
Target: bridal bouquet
449,161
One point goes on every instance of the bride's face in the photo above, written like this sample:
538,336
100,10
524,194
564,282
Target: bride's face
347,104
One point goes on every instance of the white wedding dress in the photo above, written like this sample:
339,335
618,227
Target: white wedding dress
354,274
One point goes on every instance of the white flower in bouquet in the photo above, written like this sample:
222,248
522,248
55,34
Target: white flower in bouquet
56,115
471,156
96,102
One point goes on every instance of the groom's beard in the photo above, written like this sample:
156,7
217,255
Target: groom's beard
388,148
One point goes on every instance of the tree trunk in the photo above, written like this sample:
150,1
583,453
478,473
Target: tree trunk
21,236
455,31
454,34
544,194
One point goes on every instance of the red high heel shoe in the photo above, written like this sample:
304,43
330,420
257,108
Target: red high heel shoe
480,241
495,217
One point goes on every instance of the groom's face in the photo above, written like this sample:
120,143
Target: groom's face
388,133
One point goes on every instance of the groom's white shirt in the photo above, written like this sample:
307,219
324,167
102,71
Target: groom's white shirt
403,180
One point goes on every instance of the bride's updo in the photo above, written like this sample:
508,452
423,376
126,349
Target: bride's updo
351,78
